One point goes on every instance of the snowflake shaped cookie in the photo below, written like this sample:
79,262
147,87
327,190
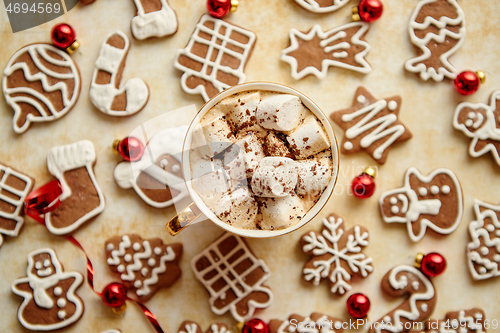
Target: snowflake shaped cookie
336,254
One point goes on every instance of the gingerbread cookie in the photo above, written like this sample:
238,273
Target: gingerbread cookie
233,276
154,18
371,125
336,254
434,201
14,188
322,6
481,122
314,52
214,57
157,177
50,302
144,265
437,29
192,327
315,323
483,253
464,321
41,83
403,281
81,198
105,91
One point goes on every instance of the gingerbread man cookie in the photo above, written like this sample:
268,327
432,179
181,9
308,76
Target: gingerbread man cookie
464,321
192,327
401,281
214,57
154,18
50,302
233,276
434,201
14,188
105,91
314,52
336,254
481,122
483,253
144,265
321,6
371,125
41,83
437,29
315,323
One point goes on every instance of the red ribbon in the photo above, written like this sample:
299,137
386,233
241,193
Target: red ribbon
45,199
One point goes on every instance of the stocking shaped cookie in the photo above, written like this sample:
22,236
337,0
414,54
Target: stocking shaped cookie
81,199
464,321
314,52
406,281
437,29
41,83
105,91
14,187
315,323
481,122
322,6
483,253
157,177
233,276
155,18
434,201
336,255
144,265
192,327
214,57
50,302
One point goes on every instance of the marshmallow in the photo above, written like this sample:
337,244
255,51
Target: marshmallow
275,146
314,176
274,177
234,163
280,112
308,139
252,151
240,109
204,166
238,209
213,186
279,213
217,132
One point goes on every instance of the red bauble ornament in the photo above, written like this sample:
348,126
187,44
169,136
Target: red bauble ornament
63,36
363,185
433,264
370,10
358,305
114,295
467,83
130,149
218,8
255,326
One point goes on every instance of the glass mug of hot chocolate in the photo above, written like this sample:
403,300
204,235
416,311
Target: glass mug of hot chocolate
259,160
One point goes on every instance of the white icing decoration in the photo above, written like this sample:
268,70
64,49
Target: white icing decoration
40,287
168,256
154,24
393,201
445,189
361,99
137,284
394,209
422,191
434,189
110,247
137,264
115,254
136,246
176,168
496,257
469,123
69,157
38,265
313,5
393,105
120,268
471,115
485,127
144,271
61,314
158,251
36,51
238,278
348,145
222,49
58,291
387,319
151,262
444,24
168,141
415,285
61,303
491,228
327,38
127,258
163,163
103,95
418,207
424,307
484,250
483,270
368,122
46,263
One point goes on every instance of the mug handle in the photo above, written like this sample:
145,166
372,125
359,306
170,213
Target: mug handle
183,219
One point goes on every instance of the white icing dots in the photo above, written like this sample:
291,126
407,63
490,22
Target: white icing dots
144,271
445,189
61,314
415,285
120,268
387,319
151,262
38,265
498,233
434,189
110,247
61,302
128,257
157,251
469,123
393,200
176,168
338,325
136,246
471,115
393,105
483,270
137,284
58,291
490,227
424,307
348,145
422,191
164,163
496,257
478,315
361,99
46,262
394,209
484,250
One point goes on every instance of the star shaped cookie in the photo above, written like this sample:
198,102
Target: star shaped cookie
371,125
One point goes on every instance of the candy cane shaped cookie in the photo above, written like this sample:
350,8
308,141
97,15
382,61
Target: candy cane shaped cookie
105,91
400,281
